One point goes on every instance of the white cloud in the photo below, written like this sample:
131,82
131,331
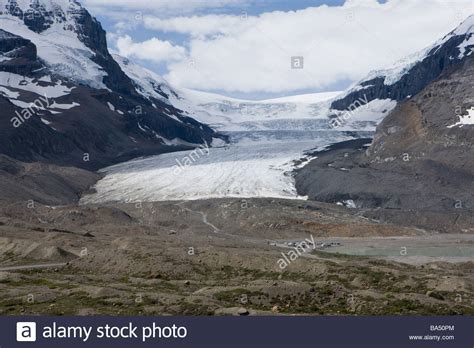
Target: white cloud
163,6
153,50
196,25
253,54
337,43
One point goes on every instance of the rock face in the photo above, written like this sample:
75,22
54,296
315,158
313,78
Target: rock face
91,135
65,100
91,33
430,123
36,16
416,73
19,55
422,156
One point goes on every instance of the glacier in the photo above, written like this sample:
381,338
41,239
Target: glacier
251,168
268,140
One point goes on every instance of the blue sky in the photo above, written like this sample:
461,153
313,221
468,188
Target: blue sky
243,48
251,8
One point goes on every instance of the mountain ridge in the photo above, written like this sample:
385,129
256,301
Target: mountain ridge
422,154
59,53
411,75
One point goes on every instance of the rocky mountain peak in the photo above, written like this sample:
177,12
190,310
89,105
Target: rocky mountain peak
67,15
40,15
56,48
80,38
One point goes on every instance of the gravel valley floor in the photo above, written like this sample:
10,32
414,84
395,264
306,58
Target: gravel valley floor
224,257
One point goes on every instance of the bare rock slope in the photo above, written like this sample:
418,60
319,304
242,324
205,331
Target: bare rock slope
33,183
422,156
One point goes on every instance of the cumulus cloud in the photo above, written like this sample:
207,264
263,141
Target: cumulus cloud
239,53
163,6
197,26
153,50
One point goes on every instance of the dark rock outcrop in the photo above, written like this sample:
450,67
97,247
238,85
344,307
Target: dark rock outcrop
36,17
19,54
91,33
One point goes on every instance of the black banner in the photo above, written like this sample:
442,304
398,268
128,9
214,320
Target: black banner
399,332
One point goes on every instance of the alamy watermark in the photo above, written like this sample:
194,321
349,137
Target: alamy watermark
297,62
349,112
299,249
42,103
191,158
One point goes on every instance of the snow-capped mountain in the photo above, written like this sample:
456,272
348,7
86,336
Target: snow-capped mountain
361,107
225,114
63,95
69,41
410,75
